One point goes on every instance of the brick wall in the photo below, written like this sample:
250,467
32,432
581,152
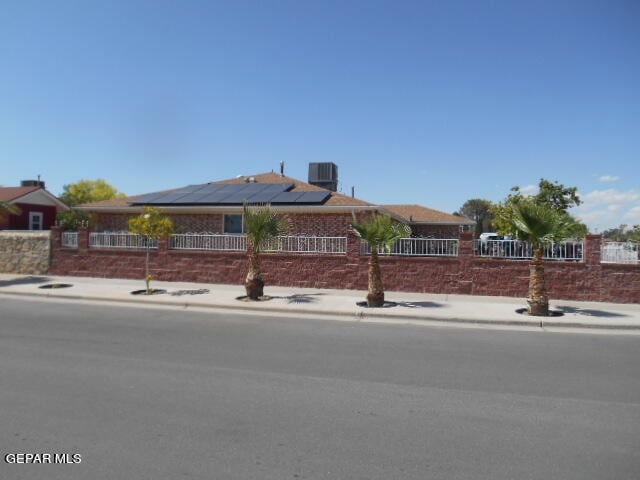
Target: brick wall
465,274
322,224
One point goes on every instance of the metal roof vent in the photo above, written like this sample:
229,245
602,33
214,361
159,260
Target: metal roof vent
324,175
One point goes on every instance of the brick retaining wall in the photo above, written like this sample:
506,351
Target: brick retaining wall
465,274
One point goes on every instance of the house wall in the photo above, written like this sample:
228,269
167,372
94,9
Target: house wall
435,231
321,224
465,274
21,221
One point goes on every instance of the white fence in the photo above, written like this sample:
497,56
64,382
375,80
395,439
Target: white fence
517,250
120,240
418,247
70,239
192,241
620,252
284,244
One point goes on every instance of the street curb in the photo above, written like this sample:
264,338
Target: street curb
357,315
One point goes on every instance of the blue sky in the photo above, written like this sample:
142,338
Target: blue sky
417,102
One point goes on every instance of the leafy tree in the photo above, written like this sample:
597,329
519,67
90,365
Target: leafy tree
556,195
479,210
151,224
86,191
262,225
553,195
539,225
623,234
7,209
380,232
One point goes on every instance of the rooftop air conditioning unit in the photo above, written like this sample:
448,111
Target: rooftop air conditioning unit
324,175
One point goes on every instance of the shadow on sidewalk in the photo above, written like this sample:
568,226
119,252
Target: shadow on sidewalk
420,304
300,298
24,281
589,312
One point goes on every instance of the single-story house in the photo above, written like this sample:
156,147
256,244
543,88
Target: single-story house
38,207
216,207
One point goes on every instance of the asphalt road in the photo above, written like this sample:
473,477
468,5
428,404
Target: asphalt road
170,394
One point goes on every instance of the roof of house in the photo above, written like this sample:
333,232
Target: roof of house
335,199
420,214
10,194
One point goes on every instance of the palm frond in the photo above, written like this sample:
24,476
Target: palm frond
541,224
381,231
262,224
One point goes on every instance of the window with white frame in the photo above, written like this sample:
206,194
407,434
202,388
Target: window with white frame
233,224
35,220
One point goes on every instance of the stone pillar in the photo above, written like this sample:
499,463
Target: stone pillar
353,247
465,257
592,254
56,238
83,240
465,248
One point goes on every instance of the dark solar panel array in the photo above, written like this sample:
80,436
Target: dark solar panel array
234,194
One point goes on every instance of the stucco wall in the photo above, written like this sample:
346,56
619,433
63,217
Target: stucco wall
25,252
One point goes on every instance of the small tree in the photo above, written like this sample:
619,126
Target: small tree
7,209
380,232
153,225
262,225
539,225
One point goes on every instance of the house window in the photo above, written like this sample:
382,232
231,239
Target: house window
233,224
35,220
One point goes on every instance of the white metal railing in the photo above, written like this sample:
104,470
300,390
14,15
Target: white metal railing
418,247
307,244
518,250
620,252
194,241
283,244
120,240
70,239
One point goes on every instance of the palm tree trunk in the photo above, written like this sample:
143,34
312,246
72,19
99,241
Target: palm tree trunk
375,297
254,284
538,299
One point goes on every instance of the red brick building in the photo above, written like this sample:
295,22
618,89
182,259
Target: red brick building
312,209
38,207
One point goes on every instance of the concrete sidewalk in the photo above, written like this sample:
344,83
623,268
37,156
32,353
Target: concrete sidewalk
415,308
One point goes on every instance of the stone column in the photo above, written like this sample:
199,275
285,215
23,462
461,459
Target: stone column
83,240
56,238
592,254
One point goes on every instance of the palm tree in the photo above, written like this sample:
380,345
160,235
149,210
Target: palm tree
7,208
380,232
539,225
261,225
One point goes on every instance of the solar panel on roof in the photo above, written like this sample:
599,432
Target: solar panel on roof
148,198
313,197
236,198
193,198
278,187
286,197
192,188
211,198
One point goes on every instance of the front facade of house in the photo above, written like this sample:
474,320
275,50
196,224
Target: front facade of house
216,208
38,207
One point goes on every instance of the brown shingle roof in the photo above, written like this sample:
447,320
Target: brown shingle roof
8,194
420,214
